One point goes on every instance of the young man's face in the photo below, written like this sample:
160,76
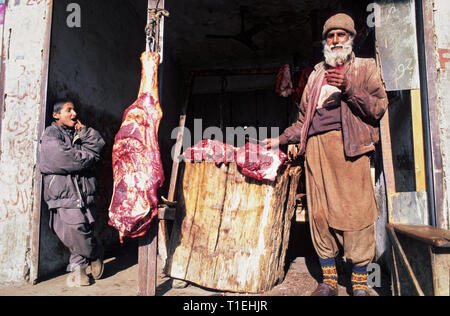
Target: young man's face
66,116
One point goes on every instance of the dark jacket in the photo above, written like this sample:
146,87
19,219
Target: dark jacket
363,105
66,163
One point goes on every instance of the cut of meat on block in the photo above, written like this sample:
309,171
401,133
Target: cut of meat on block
253,160
136,161
256,162
210,150
231,232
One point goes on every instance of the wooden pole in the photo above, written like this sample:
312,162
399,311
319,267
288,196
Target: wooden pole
163,234
147,261
148,244
388,164
419,156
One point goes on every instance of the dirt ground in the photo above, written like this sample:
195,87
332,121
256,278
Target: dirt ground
121,275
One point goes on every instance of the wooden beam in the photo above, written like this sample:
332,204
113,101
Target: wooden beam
166,213
148,244
388,164
417,128
147,261
164,238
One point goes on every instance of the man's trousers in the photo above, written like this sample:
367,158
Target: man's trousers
341,200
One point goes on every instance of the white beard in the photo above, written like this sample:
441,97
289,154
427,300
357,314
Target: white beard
340,57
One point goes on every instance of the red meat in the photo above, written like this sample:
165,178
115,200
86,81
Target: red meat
210,150
253,160
284,82
256,162
136,161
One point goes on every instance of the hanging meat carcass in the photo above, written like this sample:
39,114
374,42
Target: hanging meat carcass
136,161
284,85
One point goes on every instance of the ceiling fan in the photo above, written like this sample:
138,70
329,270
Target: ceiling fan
244,36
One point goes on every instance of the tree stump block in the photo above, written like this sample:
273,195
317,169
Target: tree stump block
231,232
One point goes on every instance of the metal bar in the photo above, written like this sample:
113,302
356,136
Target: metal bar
37,184
428,76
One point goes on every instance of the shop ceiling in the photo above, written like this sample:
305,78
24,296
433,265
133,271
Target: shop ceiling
205,34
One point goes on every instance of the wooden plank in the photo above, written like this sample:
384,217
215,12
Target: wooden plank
166,213
417,128
147,261
434,144
437,237
440,265
388,164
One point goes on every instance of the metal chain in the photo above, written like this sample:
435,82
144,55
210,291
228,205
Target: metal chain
152,27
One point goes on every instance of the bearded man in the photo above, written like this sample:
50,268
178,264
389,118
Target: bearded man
337,128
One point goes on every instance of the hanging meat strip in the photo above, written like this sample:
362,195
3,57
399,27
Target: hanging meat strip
284,82
136,161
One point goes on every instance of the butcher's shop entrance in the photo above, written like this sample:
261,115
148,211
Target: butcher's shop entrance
221,70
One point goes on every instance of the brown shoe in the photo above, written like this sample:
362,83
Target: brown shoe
324,290
78,278
97,268
361,293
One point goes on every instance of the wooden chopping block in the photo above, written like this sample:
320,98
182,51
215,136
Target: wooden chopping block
231,232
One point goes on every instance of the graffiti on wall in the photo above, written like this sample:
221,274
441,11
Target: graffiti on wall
21,107
18,142
444,57
2,11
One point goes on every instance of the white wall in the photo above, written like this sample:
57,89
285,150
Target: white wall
23,43
442,30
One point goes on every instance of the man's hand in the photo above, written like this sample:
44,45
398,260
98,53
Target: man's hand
79,125
269,143
336,78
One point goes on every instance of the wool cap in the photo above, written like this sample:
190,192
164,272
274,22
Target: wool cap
339,21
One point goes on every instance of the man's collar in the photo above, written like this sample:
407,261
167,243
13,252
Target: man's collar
64,129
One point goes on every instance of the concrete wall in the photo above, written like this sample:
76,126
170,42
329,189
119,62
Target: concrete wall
442,40
23,46
97,66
